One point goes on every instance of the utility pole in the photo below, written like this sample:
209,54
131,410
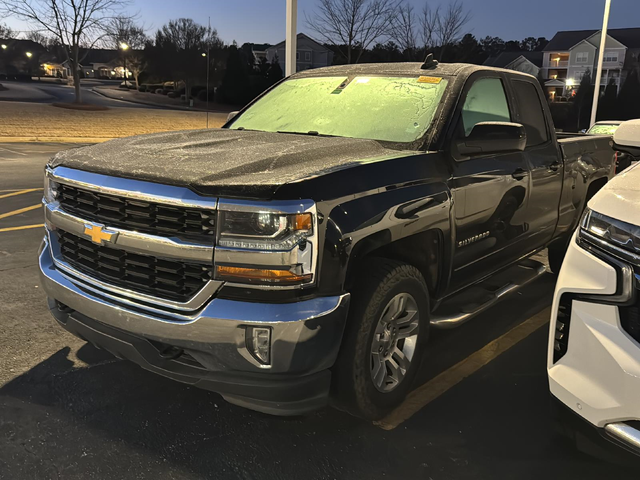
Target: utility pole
208,63
291,41
603,43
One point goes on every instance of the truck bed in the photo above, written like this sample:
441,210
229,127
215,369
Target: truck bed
574,146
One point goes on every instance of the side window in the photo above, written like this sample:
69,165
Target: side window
531,113
485,102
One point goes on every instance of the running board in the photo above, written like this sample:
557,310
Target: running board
465,305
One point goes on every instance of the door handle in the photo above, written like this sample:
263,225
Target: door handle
519,173
554,167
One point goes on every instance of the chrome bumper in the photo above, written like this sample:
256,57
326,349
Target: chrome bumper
306,335
625,434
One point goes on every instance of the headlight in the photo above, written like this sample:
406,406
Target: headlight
50,189
263,230
265,243
615,232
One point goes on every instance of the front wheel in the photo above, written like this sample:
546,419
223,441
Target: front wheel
384,340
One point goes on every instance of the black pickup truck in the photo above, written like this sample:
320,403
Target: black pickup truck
299,255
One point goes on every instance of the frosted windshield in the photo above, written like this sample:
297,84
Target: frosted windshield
395,109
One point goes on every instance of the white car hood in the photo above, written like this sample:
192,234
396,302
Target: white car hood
620,198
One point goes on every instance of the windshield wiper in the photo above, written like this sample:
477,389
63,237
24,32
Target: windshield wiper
312,133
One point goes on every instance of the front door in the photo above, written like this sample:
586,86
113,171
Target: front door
490,192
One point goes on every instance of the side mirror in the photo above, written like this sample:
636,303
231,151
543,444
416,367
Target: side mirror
627,138
232,115
493,137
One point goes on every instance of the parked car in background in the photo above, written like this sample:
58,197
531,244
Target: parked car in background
608,127
304,251
594,342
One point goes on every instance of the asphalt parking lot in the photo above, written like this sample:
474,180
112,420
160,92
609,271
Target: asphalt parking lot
67,410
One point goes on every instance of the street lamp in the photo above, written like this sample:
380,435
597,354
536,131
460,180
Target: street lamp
4,47
204,54
124,47
29,54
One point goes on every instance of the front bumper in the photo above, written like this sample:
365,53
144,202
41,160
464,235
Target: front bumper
306,337
599,375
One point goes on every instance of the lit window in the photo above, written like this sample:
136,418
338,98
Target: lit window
582,57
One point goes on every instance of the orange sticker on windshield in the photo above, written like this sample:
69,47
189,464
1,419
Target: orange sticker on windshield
429,79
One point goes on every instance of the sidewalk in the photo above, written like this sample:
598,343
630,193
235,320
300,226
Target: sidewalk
158,100
23,122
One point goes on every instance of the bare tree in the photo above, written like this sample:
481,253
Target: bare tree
450,24
6,32
123,31
429,21
352,25
403,29
72,23
39,37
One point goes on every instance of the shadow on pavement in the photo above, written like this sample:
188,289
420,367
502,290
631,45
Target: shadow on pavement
112,419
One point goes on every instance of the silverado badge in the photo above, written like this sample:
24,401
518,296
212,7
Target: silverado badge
99,234
475,238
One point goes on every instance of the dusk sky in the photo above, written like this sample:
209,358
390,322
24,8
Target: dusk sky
262,21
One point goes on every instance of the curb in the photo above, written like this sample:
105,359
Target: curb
37,139
159,105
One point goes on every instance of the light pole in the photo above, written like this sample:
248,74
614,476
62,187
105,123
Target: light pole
603,43
29,55
291,40
206,56
124,47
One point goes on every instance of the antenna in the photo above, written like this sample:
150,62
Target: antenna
429,62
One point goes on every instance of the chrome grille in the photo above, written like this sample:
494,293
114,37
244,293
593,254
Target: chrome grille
168,279
138,215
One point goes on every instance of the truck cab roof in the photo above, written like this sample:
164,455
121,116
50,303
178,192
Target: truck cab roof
404,69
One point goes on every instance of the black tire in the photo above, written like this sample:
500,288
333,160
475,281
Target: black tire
377,284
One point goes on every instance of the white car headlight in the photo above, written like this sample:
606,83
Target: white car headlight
615,232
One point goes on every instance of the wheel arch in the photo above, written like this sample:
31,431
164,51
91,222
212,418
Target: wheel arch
423,250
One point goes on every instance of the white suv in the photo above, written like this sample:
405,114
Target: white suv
594,343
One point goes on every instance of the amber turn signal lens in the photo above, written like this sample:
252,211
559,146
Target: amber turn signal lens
259,275
303,221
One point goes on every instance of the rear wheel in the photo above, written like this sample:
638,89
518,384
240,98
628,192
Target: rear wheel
384,340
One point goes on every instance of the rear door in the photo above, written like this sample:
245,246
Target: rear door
543,159
490,191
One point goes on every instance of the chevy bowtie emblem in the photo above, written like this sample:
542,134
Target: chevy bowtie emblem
99,234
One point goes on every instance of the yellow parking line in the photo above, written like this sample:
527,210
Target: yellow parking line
435,387
24,227
19,211
20,192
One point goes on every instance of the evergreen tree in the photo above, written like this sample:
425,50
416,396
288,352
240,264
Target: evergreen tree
607,105
583,101
275,74
629,98
235,81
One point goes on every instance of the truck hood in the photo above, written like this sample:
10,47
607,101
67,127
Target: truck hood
620,198
222,161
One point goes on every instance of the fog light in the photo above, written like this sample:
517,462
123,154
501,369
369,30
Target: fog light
258,340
